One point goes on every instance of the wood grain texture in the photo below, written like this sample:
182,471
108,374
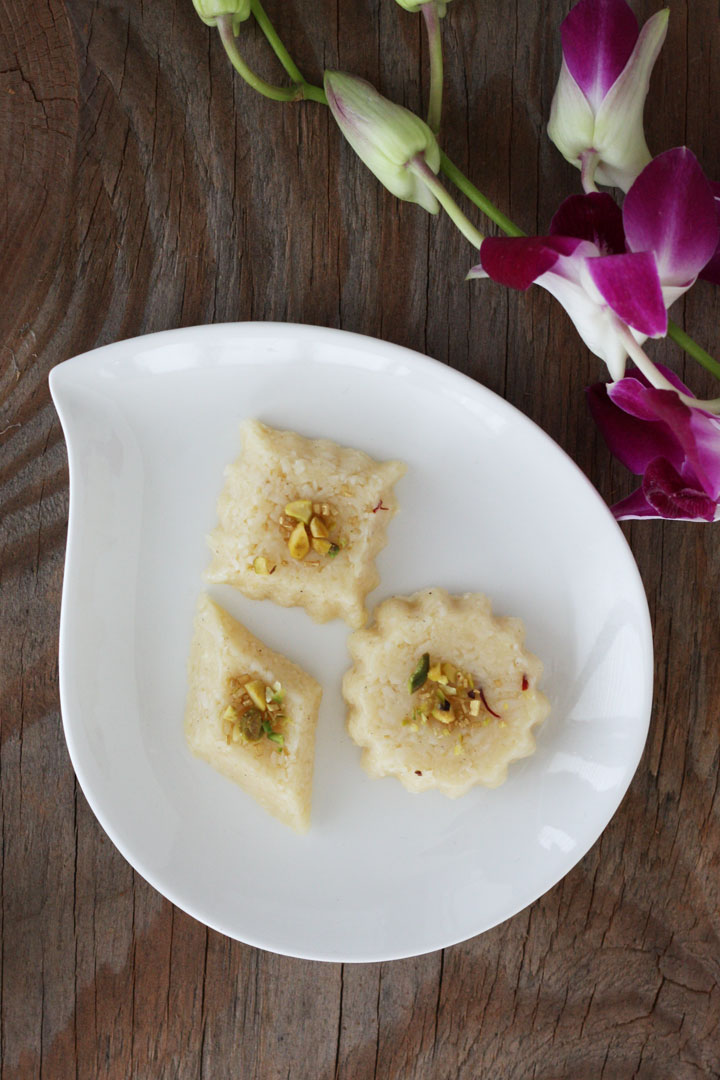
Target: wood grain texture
143,187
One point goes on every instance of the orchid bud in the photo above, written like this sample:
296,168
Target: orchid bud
211,10
596,117
387,137
415,5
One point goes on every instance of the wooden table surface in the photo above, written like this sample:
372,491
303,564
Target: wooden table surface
145,187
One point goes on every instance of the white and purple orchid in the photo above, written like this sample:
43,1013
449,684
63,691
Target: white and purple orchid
675,448
596,117
616,272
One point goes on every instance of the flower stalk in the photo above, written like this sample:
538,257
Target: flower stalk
691,347
268,90
656,378
489,209
588,163
418,166
309,92
434,36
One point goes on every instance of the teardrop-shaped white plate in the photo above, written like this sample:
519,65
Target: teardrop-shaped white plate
489,504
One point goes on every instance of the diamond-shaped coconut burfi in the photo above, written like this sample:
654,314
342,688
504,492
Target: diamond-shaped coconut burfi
301,522
252,715
442,693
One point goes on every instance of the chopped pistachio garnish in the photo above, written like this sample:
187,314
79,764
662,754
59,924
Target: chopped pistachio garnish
275,694
420,674
299,542
307,526
256,691
435,673
318,527
260,565
255,709
447,695
301,510
251,725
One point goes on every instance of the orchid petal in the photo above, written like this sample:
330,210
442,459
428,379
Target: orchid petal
618,136
572,123
634,506
668,494
670,210
596,325
595,217
518,261
671,293
695,432
711,272
704,451
637,376
712,269
631,286
629,436
598,37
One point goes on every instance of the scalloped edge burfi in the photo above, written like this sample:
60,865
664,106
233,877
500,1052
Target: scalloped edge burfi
276,468
463,631
281,782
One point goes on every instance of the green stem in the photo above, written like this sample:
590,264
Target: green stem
475,196
273,38
693,349
309,92
432,25
419,166
268,90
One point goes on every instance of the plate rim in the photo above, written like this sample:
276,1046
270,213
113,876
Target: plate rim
388,350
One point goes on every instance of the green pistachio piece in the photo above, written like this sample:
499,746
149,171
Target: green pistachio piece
251,724
419,675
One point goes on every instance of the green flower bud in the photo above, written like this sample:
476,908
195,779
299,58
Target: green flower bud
211,10
387,137
415,5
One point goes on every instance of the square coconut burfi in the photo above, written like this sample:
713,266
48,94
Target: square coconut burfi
301,521
442,693
251,714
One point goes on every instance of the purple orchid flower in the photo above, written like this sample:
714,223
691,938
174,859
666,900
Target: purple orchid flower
673,446
596,117
618,271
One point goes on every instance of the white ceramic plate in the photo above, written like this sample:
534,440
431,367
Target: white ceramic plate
489,504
